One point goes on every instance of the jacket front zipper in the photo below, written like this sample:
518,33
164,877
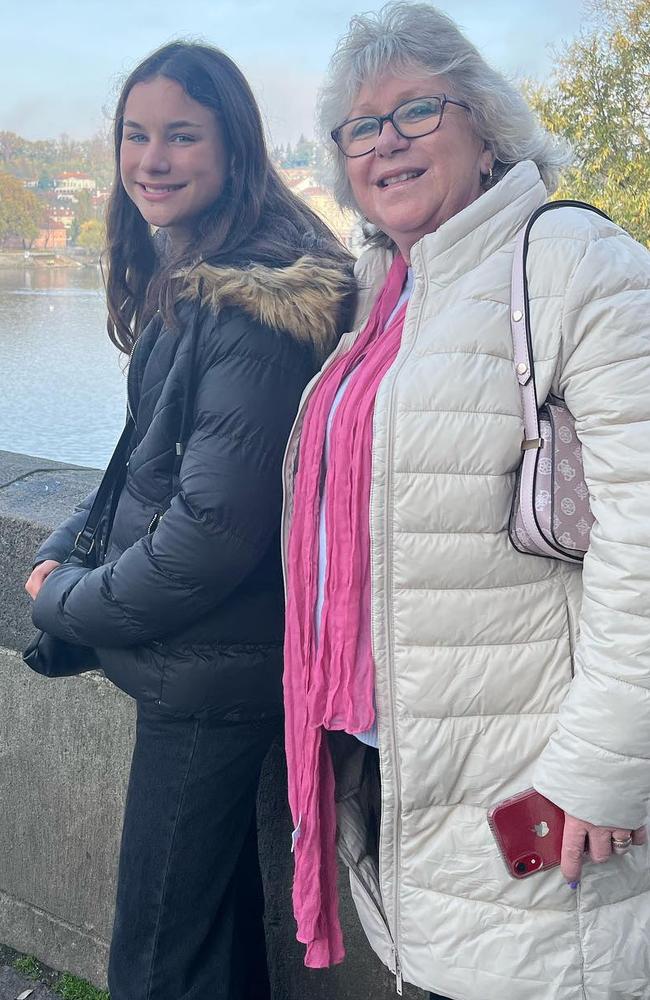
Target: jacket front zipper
129,379
390,727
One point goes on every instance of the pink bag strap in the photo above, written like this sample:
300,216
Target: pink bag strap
520,322
525,372
521,341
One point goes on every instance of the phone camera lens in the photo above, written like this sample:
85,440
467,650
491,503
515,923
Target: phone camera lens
521,867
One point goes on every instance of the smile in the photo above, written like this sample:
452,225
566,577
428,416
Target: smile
153,192
407,175
161,189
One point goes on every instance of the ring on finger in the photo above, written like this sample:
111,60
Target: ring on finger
621,845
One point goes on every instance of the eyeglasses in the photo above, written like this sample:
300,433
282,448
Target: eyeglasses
411,119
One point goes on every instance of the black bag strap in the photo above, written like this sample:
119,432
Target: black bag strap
187,416
115,475
109,487
548,206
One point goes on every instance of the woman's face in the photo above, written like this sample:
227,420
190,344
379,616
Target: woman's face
444,168
173,160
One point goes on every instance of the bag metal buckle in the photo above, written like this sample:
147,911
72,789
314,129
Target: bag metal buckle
84,543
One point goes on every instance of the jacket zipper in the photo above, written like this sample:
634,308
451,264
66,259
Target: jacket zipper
129,380
154,522
388,629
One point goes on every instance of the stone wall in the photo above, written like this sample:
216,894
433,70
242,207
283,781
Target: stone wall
64,754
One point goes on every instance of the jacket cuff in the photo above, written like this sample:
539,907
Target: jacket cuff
48,611
592,783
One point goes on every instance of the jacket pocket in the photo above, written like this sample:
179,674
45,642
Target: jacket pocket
136,670
572,591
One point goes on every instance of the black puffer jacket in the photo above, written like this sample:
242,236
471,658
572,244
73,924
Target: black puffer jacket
190,615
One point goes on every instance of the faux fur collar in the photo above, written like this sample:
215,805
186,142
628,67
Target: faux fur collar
305,299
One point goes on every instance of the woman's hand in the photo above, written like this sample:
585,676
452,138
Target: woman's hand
600,842
38,576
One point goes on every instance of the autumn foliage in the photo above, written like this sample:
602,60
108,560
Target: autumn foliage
599,98
20,211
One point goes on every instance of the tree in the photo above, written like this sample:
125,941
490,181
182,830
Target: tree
277,155
52,157
83,212
303,154
20,211
599,99
323,163
92,235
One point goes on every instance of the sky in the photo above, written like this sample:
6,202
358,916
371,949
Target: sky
63,60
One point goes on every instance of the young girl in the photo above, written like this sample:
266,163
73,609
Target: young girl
226,314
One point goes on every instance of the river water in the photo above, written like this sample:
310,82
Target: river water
62,383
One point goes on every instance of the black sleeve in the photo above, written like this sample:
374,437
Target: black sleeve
59,544
225,514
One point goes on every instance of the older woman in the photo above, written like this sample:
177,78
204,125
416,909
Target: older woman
413,624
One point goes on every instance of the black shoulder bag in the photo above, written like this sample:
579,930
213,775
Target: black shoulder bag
46,654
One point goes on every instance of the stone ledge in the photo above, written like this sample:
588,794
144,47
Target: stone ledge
35,496
51,940
40,491
64,756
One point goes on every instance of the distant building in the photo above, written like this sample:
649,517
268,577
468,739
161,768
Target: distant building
99,200
301,181
69,183
52,235
64,198
62,213
321,200
297,178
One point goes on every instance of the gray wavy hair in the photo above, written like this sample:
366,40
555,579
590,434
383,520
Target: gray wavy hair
409,38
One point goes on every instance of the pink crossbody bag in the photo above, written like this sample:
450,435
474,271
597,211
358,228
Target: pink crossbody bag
550,513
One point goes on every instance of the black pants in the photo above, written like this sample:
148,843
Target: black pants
188,919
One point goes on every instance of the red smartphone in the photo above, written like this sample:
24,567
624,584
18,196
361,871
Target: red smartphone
528,830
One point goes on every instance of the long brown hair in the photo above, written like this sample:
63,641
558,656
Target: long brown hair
255,219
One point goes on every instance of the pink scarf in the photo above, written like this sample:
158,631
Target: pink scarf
329,684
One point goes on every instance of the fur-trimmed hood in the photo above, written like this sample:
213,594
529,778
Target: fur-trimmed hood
310,299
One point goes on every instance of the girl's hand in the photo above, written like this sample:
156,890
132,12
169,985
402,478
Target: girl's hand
597,841
38,576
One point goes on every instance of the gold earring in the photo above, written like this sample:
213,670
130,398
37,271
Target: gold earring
486,179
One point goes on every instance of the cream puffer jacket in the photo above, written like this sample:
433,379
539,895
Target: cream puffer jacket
495,670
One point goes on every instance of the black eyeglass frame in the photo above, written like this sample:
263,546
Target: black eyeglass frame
381,119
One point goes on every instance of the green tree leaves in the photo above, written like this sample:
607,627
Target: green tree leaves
20,211
599,99
92,235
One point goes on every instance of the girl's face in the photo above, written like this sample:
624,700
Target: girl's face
173,160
